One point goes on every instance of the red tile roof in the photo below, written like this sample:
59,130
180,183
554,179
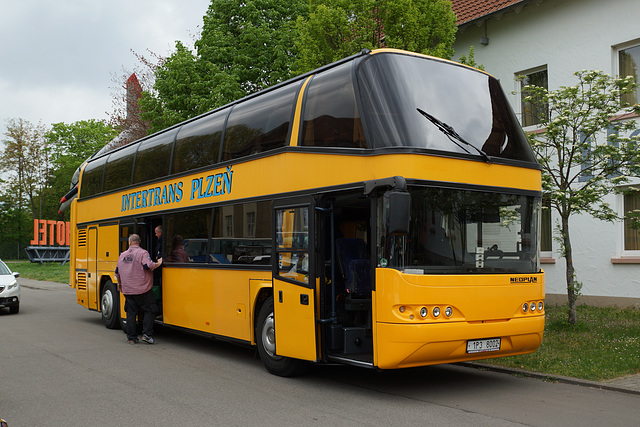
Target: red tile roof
470,10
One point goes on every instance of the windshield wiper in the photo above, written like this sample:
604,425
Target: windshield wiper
453,135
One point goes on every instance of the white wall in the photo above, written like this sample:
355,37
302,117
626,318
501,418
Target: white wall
566,36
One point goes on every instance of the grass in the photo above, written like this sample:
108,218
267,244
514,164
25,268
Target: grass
603,344
51,271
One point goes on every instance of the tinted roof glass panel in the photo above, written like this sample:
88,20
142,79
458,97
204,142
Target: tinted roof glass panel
154,157
92,178
260,124
117,173
198,143
331,117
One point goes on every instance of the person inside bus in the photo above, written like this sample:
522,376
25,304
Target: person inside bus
178,253
158,252
134,272
157,274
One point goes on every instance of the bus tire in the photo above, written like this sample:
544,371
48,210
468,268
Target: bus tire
265,341
110,305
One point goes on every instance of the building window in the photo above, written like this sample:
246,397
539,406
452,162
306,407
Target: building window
631,208
628,62
533,112
228,229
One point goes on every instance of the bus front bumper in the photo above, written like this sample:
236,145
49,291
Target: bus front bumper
409,345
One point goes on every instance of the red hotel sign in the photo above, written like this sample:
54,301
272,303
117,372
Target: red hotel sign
59,232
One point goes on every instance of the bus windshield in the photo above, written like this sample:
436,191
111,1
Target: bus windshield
411,101
466,232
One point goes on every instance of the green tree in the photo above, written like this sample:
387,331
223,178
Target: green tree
471,59
245,46
69,145
335,29
16,228
583,152
25,162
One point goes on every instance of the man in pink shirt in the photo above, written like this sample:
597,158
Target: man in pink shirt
134,272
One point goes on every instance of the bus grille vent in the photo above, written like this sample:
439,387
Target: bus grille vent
81,281
82,237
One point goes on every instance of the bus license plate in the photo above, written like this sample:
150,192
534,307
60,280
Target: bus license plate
479,346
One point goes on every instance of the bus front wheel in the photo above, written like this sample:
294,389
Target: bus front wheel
266,343
110,306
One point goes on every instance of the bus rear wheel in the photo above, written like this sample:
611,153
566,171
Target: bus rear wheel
110,306
266,343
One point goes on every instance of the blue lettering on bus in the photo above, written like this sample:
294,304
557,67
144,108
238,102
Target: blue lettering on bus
204,187
212,185
227,181
209,181
154,196
217,180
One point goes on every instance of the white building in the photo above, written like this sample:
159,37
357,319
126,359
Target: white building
549,40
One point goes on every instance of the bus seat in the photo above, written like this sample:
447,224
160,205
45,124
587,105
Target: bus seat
354,265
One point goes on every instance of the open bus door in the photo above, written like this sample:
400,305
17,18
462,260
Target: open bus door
294,282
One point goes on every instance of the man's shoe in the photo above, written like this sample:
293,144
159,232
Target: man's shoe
148,339
133,341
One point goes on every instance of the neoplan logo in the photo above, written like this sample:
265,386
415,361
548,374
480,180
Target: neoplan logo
524,280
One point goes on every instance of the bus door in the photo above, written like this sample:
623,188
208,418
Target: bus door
92,268
294,281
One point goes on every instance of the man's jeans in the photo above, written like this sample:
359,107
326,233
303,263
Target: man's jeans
133,305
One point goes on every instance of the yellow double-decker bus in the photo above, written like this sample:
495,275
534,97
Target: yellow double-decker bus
382,211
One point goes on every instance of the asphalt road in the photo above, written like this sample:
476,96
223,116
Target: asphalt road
60,366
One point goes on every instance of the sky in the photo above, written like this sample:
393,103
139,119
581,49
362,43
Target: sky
58,59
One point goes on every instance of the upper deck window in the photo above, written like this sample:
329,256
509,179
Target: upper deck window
394,86
92,178
260,124
119,168
154,155
198,143
331,117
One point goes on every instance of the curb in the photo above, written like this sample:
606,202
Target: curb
553,378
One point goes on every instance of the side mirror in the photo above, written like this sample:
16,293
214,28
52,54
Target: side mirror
397,211
16,275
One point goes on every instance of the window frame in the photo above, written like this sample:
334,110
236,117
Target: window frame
626,253
616,61
519,84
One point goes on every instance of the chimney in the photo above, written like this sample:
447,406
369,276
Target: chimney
134,93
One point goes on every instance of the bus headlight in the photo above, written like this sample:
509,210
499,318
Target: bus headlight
540,306
424,312
436,311
533,307
448,311
525,307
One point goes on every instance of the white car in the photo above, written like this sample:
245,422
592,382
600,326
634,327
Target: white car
9,289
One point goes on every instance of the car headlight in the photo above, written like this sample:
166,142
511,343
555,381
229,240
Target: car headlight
13,285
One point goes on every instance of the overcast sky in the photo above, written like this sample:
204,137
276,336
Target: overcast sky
58,58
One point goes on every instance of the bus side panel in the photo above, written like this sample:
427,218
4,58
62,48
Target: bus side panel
486,306
215,301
